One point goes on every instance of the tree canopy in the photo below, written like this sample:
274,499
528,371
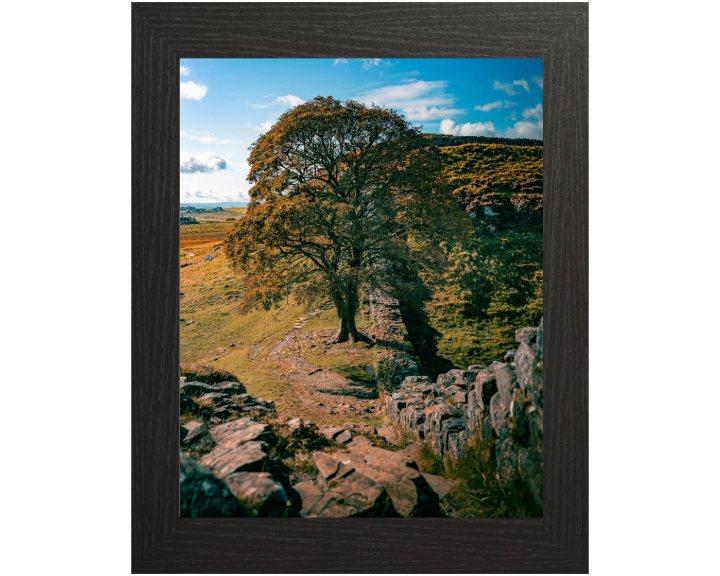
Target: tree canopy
342,194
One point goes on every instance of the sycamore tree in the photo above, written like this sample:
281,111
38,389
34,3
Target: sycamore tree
343,194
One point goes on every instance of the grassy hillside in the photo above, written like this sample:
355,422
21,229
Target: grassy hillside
492,287
494,282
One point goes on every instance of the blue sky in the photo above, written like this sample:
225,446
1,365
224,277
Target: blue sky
225,104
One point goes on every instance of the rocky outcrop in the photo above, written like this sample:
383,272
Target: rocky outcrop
501,403
239,473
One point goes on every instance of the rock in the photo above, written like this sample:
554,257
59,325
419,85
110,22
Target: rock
353,495
506,457
529,372
327,465
193,435
486,386
506,383
380,457
499,412
244,430
214,399
344,437
203,495
296,427
475,367
409,491
309,496
330,432
196,388
389,433
259,493
509,356
232,387
247,457
361,440
412,451
441,486
526,335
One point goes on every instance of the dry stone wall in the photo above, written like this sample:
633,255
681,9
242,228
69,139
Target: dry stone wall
500,404
395,360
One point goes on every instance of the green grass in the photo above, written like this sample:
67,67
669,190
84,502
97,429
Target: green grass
478,493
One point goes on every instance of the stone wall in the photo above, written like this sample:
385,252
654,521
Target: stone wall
501,403
396,360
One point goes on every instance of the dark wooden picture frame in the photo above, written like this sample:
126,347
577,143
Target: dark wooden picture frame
162,542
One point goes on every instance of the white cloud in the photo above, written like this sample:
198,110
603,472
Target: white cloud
522,83
478,129
539,81
205,162
191,91
415,95
509,104
265,126
290,100
340,61
489,106
434,113
190,195
208,139
370,62
528,128
536,112
508,88
184,71
512,117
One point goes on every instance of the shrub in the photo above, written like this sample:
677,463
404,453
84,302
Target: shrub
206,374
480,494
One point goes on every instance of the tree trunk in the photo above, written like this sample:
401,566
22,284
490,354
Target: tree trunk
346,306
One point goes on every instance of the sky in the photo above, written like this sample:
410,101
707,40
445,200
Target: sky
226,104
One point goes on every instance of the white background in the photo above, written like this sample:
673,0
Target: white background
66,287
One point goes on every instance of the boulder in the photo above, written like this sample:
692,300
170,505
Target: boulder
296,426
509,356
203,495
193,435
330,432
506,383
499,413
196,388
327,465
526,335
378,456
245,431
259,493
441,486
354,495
214,398
247,457
409,491
231,387
389,433
309,496
344,437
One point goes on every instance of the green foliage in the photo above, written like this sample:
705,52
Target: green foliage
337,188
494,280
480,494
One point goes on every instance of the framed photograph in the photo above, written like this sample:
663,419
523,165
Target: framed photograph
351,293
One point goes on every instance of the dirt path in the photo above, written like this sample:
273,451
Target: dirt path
322,393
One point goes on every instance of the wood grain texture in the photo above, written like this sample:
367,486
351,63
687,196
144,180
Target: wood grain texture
164,33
